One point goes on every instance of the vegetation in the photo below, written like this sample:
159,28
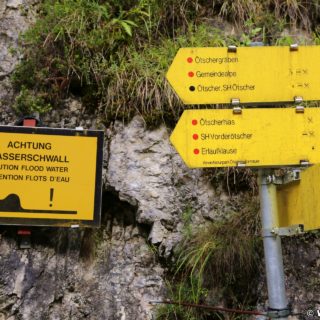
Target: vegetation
114,54
217,265
27,102
234,180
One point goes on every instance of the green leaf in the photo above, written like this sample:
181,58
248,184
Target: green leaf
126,27
130,22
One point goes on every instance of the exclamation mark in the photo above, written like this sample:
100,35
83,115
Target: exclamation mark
51,196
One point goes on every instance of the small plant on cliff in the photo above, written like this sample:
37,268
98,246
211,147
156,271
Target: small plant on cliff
26,103
217,265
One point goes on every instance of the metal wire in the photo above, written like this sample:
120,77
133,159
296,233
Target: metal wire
203,306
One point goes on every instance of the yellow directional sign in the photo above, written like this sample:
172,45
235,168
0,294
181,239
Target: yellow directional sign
50,176
299,202
256,137
251,74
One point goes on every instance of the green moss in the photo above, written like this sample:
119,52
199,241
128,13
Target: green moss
26,103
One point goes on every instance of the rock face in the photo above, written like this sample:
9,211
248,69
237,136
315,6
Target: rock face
115,272
110,273
59,278
15,17
146,171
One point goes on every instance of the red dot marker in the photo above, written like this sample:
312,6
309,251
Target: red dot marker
196,151
190,74
195,137
194,122
190,60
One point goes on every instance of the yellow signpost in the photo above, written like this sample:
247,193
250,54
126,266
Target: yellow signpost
299,202
50,176
255,138
250,74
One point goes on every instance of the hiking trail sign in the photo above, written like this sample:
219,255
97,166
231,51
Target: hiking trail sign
269,137
249,74
50,176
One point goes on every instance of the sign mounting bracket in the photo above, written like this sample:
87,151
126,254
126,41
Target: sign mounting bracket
298,99
232,49
237,110
294,47
299,109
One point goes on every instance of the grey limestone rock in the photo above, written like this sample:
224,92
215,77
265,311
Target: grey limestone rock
146,170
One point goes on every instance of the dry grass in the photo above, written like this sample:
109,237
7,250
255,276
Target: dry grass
224,255
297,13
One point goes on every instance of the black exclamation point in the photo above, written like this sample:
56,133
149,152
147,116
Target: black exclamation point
51,196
